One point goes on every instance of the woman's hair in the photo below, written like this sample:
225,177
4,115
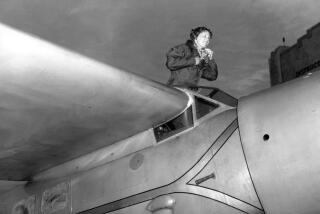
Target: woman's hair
196,31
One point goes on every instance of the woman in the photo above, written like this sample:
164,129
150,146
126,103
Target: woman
193,60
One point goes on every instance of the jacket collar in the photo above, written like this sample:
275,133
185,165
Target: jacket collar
193,49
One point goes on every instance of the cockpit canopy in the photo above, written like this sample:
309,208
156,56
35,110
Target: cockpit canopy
204,102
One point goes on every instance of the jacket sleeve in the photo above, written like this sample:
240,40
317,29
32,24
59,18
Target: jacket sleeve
210,70
179,57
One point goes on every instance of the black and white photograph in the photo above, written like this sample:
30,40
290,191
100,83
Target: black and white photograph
159,106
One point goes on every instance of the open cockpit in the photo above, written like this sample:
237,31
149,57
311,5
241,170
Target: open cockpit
205,103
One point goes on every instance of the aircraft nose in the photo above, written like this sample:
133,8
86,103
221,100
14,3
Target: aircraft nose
279,131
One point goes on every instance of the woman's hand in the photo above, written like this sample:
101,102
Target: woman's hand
209,53
205,54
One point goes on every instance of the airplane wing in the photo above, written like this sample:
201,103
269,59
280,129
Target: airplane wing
56,105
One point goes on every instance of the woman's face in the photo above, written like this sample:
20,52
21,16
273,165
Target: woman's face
203,39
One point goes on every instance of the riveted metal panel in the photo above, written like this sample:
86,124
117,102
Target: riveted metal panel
230,172
148,169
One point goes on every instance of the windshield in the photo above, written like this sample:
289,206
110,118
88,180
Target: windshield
174,126
219,95
204,107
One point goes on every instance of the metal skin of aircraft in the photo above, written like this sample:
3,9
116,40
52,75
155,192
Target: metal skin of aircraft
78,136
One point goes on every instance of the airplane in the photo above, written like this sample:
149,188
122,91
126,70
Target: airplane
80,136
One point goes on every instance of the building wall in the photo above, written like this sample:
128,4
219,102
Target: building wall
297,60
274,66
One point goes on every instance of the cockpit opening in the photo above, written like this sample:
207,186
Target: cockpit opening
204,107
174,126
218,95
205,102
